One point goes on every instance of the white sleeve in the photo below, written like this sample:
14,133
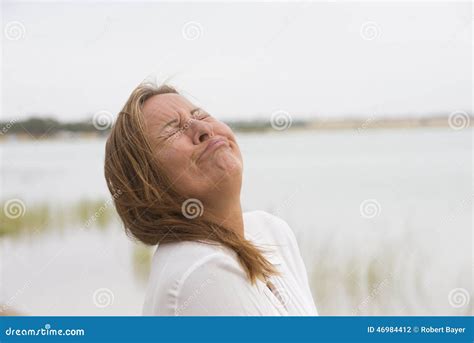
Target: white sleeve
216,286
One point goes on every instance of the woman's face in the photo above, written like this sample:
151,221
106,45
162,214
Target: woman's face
198,153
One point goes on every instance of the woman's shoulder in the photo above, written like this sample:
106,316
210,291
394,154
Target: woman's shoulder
178,258
262,225
184,263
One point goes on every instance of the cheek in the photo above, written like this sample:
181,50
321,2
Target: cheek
235,146
173,156
176,167
226,131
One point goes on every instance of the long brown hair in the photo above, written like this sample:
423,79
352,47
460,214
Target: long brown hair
146,202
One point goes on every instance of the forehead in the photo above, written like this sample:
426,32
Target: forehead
163,107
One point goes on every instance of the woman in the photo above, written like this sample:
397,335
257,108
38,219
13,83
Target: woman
175,173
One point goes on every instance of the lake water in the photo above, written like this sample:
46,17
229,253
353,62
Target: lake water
383,219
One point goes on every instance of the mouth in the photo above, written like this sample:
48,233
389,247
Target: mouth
213,144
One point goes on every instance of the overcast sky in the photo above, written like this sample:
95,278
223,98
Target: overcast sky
239,60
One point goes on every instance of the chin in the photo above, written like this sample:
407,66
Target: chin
230,164
229,172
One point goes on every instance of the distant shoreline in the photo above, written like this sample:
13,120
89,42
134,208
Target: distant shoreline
40,129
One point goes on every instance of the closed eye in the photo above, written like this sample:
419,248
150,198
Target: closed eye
171,128
173,132
174,129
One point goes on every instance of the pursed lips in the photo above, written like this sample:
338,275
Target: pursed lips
213,143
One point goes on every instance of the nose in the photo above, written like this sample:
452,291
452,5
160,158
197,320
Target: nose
201,131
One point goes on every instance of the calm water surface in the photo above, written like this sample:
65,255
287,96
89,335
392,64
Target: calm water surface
382,217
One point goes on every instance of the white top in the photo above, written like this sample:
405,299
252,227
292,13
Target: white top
199,279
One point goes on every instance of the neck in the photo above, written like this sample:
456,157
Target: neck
227,213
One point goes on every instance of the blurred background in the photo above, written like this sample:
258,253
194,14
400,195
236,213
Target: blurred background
354,119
